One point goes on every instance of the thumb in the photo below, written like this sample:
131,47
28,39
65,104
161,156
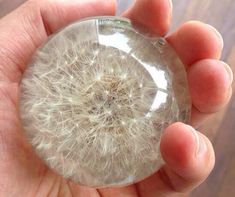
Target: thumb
26,28
189,156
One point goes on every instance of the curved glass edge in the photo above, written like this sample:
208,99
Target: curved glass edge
174,64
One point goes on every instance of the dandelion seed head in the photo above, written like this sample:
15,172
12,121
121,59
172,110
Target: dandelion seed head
92,104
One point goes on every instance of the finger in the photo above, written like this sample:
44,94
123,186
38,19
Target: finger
210,85
128,191
189,160
22,31
195,41
155,15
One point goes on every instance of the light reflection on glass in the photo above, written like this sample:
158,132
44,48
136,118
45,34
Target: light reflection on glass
160,80
158,76
159,99
118,40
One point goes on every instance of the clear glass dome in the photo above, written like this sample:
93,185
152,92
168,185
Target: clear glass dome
96,98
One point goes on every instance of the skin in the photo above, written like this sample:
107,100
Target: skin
188,159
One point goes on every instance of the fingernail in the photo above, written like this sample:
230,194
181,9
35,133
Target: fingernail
171,5
229,71
217,34
201,146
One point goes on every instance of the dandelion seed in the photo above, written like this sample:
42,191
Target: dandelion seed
92,62
124,76
70,100
123,57
123,123
82,51
98,78
96,52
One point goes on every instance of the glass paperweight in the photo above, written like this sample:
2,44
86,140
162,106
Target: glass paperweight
97,96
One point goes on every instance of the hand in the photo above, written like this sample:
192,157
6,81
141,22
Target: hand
189,158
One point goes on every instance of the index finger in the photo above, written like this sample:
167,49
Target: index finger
155,15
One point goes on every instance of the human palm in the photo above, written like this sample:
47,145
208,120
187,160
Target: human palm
189,158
